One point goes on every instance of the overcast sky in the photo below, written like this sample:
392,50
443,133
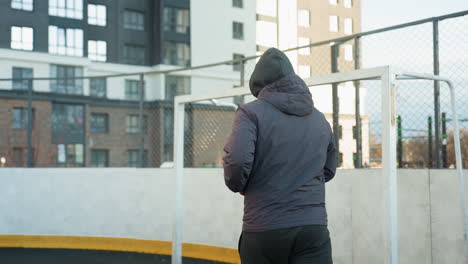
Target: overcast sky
383,13
411,49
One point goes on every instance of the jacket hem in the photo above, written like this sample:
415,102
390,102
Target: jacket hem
284,226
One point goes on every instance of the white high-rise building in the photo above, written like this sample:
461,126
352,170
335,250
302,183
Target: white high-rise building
287,24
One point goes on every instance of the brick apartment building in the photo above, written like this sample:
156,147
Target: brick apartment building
106,133
95,121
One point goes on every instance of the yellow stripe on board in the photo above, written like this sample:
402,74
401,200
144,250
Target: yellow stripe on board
197,251
220,254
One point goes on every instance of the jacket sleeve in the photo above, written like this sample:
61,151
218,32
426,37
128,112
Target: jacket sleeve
330,164
239,151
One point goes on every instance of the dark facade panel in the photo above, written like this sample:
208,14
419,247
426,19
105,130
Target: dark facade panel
38,19
114,33
108,33
156,34
171,36
136,37
177,3
176,37
68,22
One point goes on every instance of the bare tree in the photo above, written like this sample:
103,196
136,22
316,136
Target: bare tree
451,148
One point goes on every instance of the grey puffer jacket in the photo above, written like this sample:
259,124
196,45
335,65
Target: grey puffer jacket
281,151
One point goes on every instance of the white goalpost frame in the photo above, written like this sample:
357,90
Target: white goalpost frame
387,75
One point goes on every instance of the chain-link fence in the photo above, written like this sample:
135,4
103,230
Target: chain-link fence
81,117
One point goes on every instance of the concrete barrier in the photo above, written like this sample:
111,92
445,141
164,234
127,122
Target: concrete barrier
138,203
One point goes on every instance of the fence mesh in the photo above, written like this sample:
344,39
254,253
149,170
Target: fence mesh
454,65
127,121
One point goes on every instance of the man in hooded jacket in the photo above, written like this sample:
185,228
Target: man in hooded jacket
280,154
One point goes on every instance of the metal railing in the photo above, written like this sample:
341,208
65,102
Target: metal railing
325,57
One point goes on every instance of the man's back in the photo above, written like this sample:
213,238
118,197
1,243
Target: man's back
279,155
286,183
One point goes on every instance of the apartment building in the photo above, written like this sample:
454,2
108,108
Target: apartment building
95,122
288,24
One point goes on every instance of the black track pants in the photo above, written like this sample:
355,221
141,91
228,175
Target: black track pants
298,245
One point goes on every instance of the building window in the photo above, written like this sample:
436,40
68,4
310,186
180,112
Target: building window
176,85
133,124
68,81
22,73
97,15
237,65
98,87
21,38
26,5
340,159
134,54
303,42
340,132
348,3
97,50
304,71
176,20
133,158
65,41
237,3
132,90
348,52
99,123
333,2
67,123
348,26
266,8
70,155
176,53
266,34
134,20
333,23
19,117
237,30
99,158
303,17
66,8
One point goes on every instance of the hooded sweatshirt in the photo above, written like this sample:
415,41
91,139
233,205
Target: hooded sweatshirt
281,151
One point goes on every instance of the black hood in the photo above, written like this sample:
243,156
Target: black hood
274,81
290,95
272,66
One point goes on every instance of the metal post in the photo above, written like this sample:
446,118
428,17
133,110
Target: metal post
429,133
459,166
444,141
435,36
389,159
399,143
30,124
240,98
357,107
430,150
140,120
179,115
85,111
277,26
336,106
242,73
